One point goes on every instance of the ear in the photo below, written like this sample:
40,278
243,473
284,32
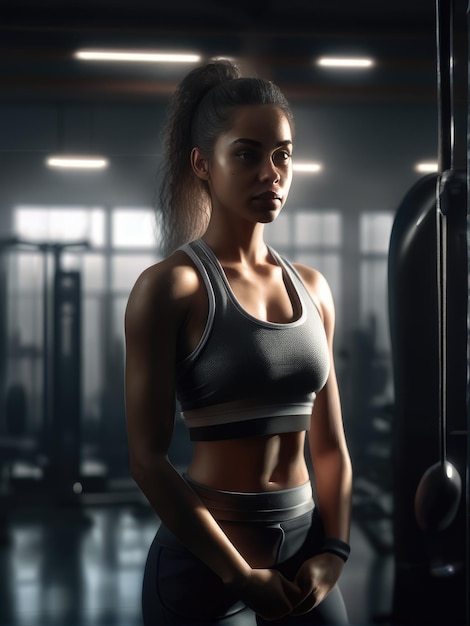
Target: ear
200,164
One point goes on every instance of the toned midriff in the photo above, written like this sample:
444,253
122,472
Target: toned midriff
251,464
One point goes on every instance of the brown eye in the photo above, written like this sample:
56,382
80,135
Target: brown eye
282,157
246,155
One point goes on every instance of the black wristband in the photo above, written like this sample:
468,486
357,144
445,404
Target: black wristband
338,547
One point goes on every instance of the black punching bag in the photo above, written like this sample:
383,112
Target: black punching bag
428,325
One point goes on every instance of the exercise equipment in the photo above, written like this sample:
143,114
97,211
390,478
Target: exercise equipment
58,443
440,488
64,429
428,298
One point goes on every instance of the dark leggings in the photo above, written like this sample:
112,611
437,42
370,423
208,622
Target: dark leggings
179,589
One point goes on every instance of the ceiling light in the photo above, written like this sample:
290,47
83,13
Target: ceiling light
426,167
345,63
138,57
72,162
307,167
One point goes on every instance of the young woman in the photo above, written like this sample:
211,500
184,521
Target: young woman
243,340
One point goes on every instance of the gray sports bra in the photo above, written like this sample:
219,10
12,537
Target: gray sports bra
250,377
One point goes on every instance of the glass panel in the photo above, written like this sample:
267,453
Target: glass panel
94,272
64,224
92,267
278,233
93,344
317,228
126,268
96,235
374,300
24,337
375,229
26,320
31,224
27,271
133,228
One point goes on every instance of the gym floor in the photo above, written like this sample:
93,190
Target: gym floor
82,566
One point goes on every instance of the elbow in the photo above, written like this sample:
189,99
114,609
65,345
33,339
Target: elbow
348,471
137,470
345,462
139,473
344,458
144,467
336,461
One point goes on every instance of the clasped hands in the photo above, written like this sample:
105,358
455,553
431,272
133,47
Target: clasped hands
272,596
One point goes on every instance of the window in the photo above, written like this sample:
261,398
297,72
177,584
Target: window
133,228
60,225
374,237
121,245
317,229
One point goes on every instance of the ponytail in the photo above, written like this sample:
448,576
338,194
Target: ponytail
200,110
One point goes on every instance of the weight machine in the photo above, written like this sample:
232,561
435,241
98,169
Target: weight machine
56,447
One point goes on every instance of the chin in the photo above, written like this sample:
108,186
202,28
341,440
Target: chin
271,217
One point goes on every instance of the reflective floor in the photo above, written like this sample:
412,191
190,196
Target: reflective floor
82,566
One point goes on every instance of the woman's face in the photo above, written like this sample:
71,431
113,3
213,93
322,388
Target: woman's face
250,171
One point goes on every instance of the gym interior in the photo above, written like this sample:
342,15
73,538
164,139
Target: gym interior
370,145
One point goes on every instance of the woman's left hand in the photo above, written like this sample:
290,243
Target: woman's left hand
316,578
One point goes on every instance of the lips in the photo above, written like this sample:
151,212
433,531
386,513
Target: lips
268,195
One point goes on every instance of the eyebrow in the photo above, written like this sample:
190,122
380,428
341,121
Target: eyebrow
258,144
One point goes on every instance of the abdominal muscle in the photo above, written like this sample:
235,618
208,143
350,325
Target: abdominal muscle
251,464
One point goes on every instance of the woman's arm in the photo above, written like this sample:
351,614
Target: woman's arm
155,313
157,310
328,448
330,457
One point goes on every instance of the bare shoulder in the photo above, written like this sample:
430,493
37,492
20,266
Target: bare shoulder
165,289
320,291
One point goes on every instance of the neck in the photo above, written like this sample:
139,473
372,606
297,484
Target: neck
242,244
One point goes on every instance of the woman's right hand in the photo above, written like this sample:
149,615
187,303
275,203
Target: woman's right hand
269,594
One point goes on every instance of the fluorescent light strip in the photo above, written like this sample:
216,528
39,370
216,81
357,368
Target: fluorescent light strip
77,162
348,63
426,167
139,57
310,168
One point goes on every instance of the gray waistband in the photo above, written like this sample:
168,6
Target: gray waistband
266,506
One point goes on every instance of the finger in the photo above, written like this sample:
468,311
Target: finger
291,589
305,606
306,586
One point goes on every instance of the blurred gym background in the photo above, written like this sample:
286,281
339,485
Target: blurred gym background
74,529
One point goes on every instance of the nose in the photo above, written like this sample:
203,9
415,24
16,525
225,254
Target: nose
268,171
